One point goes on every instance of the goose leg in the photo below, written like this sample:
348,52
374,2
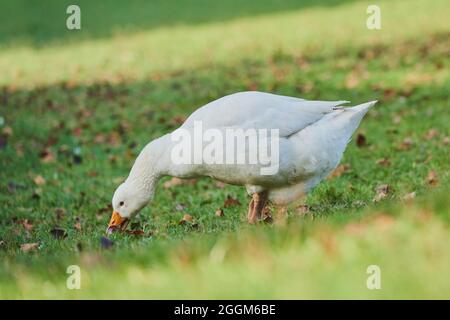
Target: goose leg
256,207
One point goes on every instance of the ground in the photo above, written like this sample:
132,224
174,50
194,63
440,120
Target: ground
77,106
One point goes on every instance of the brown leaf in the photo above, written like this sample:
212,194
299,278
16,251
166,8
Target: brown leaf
47,156
431,134
385,162
219,213
339,171
29,246
445,141
397,119
361,140
27,225
77,226
432,178
39,180
135,232
178,120
406,144
186,218
229,201
7,132
381,192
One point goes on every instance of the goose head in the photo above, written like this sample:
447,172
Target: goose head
129,198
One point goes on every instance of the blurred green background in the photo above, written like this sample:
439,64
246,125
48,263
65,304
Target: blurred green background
77,106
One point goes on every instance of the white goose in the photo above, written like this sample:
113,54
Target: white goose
312,138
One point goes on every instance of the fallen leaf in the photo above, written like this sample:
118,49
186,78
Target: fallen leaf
7,131
432,179
381,192
397,119
135,232
446,140
361,140
47,156
186,218
77,226
39,180
339,171
229,201
406,144
58,233
385,162
29,246
27,225
431,134
106,243
219,213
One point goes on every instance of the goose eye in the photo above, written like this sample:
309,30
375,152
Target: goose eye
121,203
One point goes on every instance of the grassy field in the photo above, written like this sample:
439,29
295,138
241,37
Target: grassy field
76,107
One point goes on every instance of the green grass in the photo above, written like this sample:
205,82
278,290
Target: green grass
93,98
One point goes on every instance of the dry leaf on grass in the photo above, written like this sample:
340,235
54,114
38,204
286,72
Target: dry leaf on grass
29,246
339,171
432,178
27,225
445,141
406,144
47,156
385,162
135,232
381,192
229,201
361,140
219,213
431,134
39,180
186,218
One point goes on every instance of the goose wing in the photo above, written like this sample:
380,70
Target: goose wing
259,110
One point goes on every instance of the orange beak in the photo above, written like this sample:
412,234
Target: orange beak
117,222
